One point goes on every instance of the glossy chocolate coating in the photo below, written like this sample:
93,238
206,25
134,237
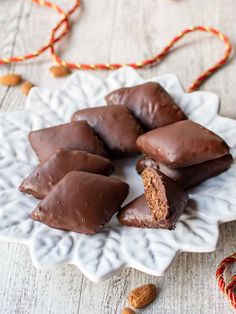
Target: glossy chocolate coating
73,135
137,214
50,171
189,176
81,202
145,162
152,106
115,125
182,144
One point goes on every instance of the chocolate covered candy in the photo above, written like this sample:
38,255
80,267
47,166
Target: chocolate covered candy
150,103
137,214
73,135
81,202
145,162
50,171
115,125
189,176
182,144
162,205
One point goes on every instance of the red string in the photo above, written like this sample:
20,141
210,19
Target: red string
112,66
229,289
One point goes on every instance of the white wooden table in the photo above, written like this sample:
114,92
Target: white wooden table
117,31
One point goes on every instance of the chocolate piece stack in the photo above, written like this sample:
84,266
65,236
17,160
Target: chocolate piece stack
185,151
72,177
188,154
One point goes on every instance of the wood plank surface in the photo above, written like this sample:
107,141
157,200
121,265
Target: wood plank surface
117,31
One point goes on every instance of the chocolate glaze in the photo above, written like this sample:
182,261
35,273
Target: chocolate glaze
73,135
182,144
81,202
50,171
115,125
150,103
137,213
145,162
189,176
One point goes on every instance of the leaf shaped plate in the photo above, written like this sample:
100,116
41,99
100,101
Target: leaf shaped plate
102,255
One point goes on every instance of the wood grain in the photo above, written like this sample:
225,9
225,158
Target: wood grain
117,31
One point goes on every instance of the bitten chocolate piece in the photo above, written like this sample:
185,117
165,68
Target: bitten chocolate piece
161,206
165,198
73,135
115,125
189,176
49,172
81,202
152,106
182,144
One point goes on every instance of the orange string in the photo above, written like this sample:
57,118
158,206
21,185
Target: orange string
43,48
195,85
112,66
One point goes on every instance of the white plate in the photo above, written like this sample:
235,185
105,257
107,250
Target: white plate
102,255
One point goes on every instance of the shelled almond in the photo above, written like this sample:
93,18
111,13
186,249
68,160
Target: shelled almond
10,79
59,71
26,87
127,310
142,296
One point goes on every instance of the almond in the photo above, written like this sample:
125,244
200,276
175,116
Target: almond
127,310
142,296
26,87
59,70
10,79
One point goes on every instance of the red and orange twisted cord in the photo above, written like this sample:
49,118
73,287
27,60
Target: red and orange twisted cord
228,289
113,66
